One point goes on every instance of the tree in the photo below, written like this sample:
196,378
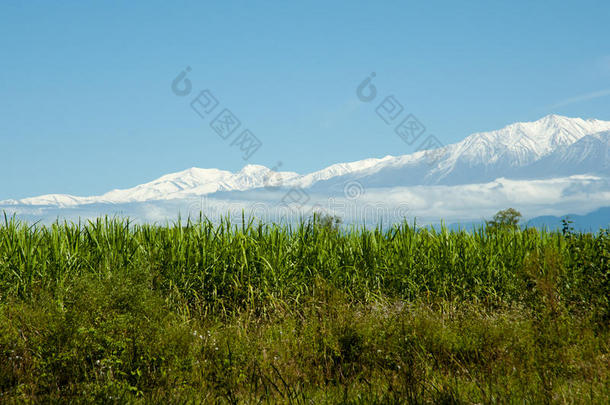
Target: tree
505,219
327,222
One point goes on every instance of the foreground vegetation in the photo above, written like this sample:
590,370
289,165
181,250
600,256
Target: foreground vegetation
111,312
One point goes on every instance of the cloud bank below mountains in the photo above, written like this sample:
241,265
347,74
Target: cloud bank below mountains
426,204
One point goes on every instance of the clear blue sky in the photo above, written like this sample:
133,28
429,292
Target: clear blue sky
86,102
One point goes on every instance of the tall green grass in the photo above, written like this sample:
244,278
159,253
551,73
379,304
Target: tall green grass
226,269
402,314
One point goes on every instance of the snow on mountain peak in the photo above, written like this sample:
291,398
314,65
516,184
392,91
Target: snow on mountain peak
254,169
481,156
523,142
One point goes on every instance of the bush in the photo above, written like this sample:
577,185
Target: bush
112,312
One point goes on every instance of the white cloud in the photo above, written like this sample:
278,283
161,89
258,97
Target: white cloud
581,98
429,204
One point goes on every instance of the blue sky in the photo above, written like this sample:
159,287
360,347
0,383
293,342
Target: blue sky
86,103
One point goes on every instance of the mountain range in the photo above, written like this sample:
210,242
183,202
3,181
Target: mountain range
551,166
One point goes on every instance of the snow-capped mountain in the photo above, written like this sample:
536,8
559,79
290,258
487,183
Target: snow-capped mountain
512,151
499,153
552,155
187,183
590,154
